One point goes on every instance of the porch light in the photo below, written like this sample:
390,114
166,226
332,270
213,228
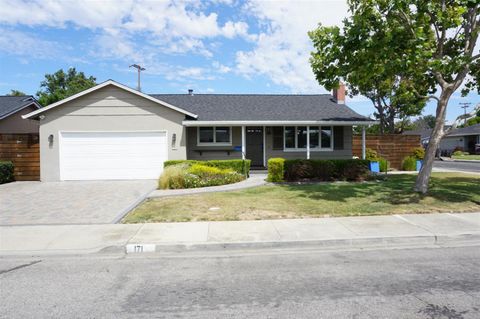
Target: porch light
50,139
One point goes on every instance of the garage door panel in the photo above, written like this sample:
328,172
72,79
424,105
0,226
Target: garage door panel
112,155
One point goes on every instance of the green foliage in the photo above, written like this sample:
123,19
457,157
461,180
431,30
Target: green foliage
61,85
460,153
360,53
237,165
173,177
275,169
409,163
188,175
372,156
16,93
6,172
326,170
384,164
419,153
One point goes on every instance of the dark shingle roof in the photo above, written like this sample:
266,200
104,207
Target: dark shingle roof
259,107
12,104
469,130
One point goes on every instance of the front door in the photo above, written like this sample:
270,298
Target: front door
254,145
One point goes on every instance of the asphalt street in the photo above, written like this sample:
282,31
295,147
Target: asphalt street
395,283
458,166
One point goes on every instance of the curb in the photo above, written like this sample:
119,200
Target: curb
367,242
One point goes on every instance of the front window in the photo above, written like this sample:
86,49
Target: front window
290,137
326,137
215,135
296,137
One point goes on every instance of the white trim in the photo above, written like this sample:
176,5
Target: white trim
23,107
363,143
308,142
308,149
244,140
214,143
264,148
277,123
60,171
102,85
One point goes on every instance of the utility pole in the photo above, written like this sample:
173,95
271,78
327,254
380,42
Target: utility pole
139,69
464,106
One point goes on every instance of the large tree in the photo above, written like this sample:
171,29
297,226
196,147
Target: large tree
428,42
61,85
351,54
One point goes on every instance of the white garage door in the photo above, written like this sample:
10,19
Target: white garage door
112,155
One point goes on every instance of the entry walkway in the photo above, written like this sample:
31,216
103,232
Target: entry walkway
255,179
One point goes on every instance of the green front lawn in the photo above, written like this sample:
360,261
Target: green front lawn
448,192
467,157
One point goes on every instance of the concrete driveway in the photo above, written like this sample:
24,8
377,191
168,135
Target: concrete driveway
82,202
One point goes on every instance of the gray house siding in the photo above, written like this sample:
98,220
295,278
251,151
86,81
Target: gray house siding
345,153
14,124
195,152
204,153
104,110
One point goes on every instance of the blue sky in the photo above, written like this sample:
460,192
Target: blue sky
216,46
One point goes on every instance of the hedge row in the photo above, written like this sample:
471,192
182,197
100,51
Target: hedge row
318,170
6,172
237,165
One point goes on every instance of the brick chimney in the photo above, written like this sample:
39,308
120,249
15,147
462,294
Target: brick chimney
339,94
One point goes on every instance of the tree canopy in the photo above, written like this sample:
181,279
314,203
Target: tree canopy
425,48
60,85
16,93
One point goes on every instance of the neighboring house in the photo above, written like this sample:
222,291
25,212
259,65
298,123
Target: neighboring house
12,108
464,138
111,131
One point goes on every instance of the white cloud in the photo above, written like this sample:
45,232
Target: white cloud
178,25
283,47
25,45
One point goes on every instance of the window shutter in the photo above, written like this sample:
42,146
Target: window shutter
277,138
338,137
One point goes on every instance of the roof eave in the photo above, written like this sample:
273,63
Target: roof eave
101,85
279,123
34,103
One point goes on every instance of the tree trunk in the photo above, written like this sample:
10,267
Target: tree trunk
423,177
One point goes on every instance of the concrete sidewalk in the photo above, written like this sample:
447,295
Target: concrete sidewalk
424,229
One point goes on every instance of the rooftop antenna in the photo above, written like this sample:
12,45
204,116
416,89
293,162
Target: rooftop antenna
139,69
464,106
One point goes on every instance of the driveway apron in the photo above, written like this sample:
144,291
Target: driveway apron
79,202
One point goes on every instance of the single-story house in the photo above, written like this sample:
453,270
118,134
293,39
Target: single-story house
464,138
12,108
111,131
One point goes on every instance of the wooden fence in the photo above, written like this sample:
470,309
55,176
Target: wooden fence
23,150
393,147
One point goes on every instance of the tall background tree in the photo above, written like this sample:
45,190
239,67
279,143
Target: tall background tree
16,93
351,54
60,85
427,44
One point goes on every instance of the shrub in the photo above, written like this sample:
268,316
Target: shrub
275,169
6,172
409,163
237,165
325,170
419,153
187,175
173,177
372,155
384,165
460,153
